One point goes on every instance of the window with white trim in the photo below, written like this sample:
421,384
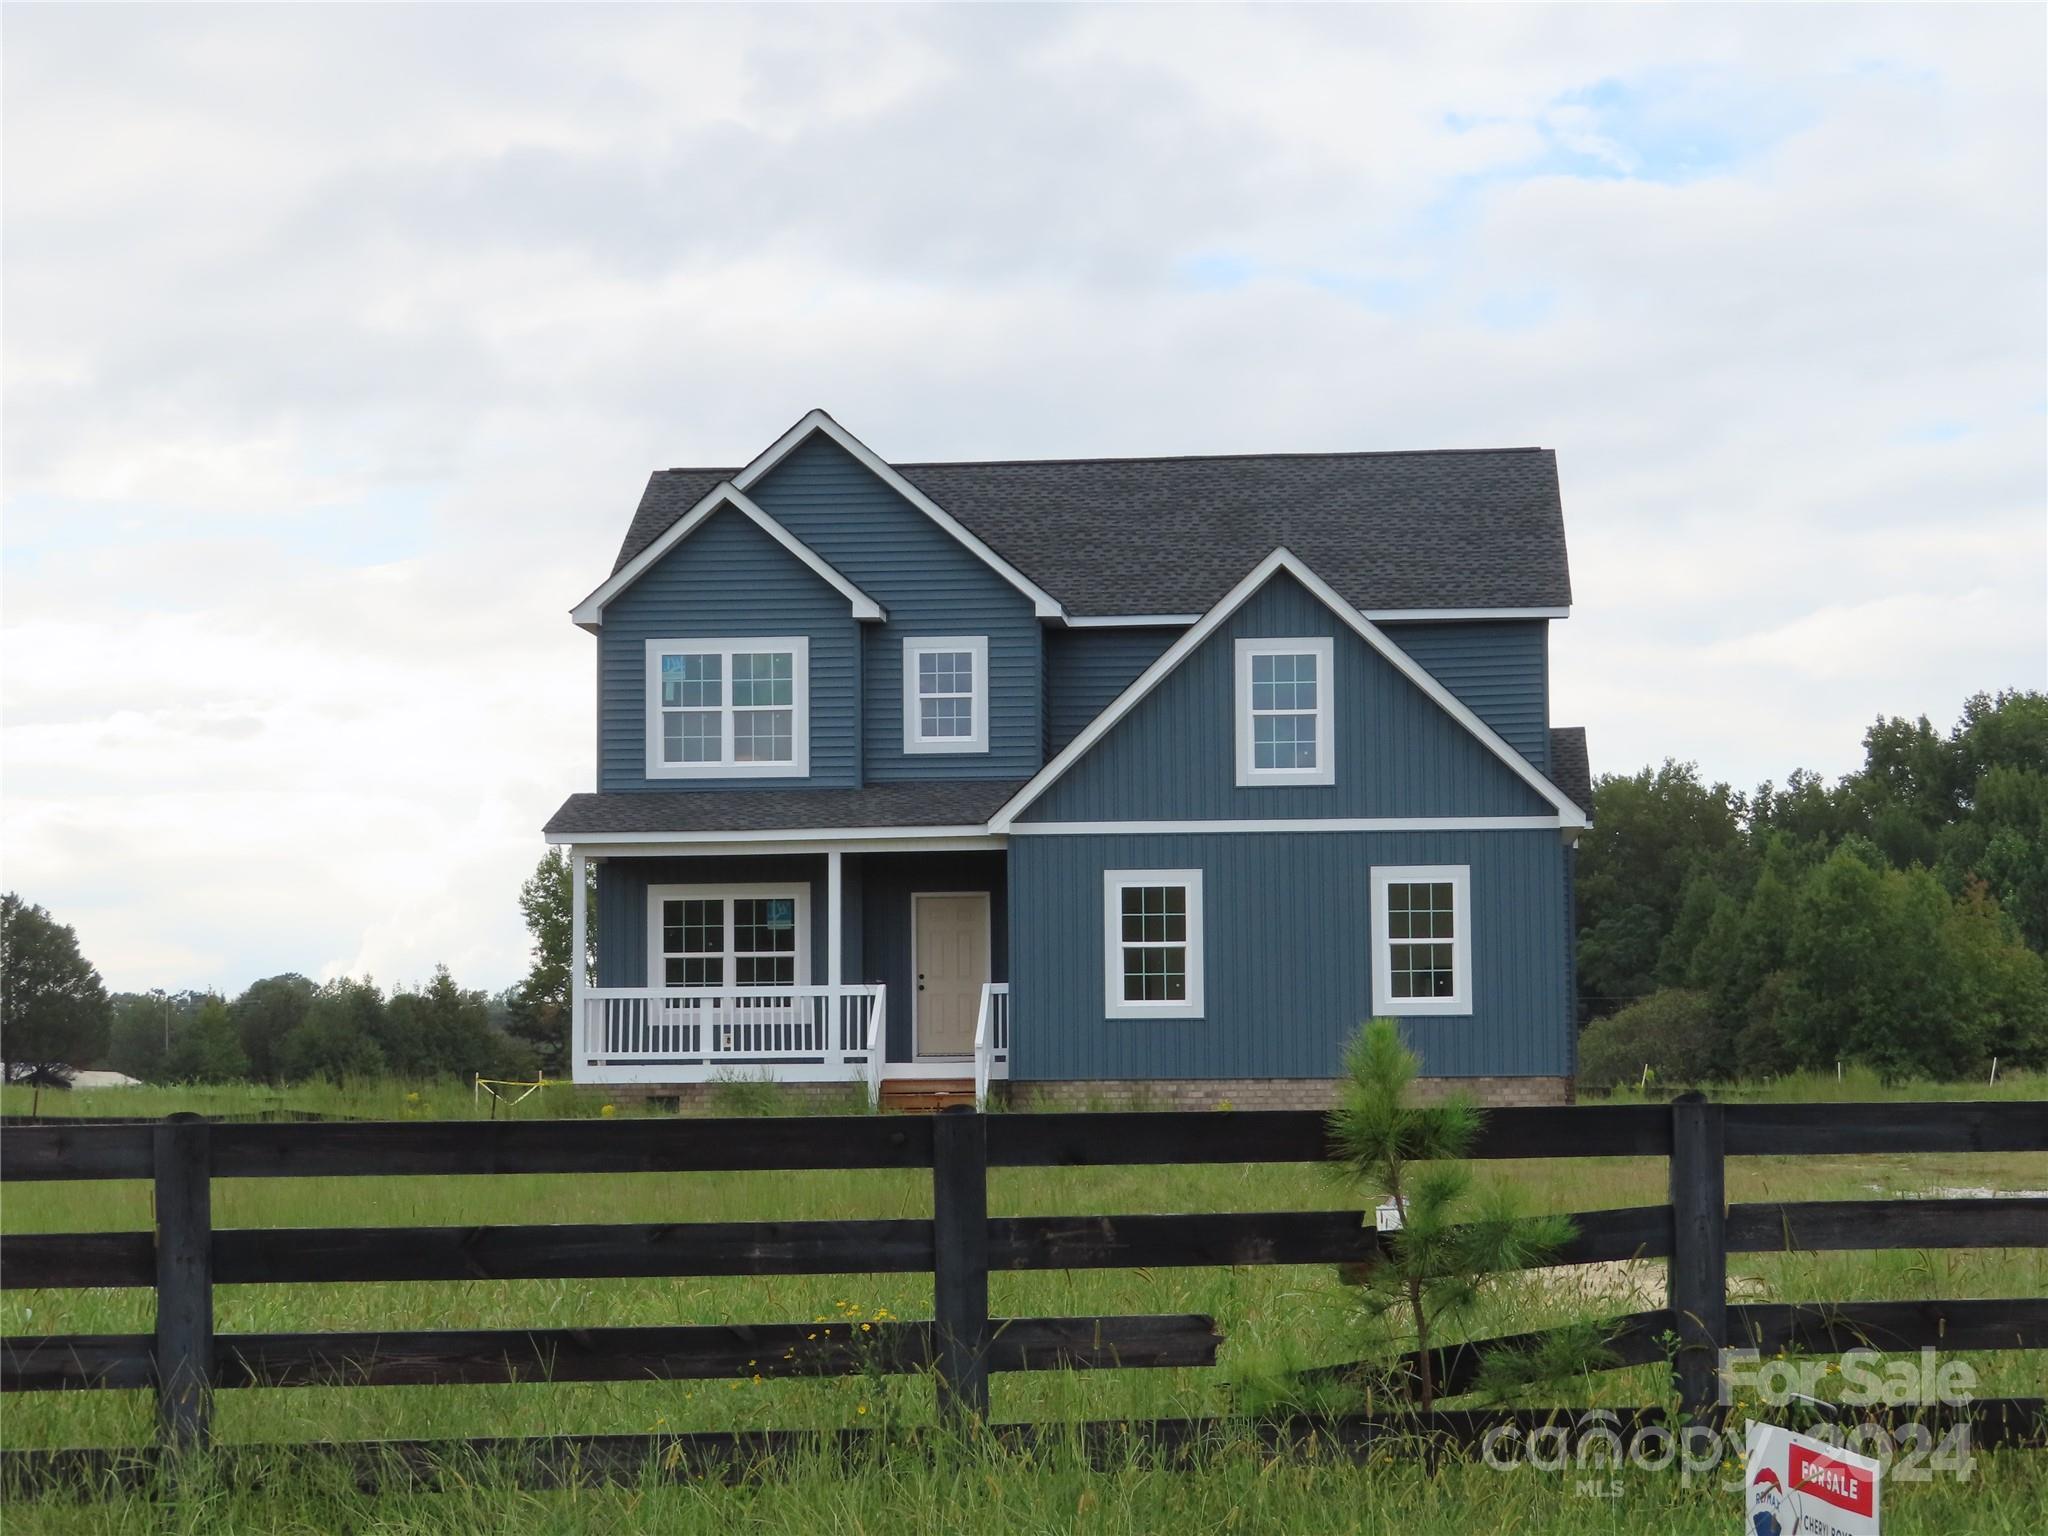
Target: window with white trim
1152,943
1422,940
704,936
1283,712
945,693
728,708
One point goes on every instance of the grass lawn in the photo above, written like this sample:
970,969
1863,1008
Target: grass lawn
1271,1318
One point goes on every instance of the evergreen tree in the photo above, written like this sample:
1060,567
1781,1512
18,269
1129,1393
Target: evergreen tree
338,1038
207,1049
1457,1238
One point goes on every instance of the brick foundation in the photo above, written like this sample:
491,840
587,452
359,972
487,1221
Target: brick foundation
1169,1093
1269,1092
725,1098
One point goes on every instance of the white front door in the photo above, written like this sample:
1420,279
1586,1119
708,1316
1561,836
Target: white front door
949,958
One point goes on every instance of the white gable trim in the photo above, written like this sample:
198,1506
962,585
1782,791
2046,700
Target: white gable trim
1134,620
590,612
1043,603
1569,814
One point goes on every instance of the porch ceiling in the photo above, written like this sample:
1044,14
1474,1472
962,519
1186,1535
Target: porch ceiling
922,803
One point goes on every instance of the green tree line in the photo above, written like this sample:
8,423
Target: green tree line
1896,918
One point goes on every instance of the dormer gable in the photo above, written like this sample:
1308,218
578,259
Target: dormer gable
1200,726
589,614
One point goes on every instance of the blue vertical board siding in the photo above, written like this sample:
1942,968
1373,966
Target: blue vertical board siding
931,584
1288,937
1087,668
1174,756
1498,669
727,580
622,914
888,880
1571,953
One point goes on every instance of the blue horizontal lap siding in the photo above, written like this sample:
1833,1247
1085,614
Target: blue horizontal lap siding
622,911
728,579
1500,670
1087,668
930,584
1174,756
1288,955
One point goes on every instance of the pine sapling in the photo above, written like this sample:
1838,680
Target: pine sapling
1456,1238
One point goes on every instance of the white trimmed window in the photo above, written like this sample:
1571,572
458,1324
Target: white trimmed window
720,709
727,936
1283,712
1422,941
1152,943
945,693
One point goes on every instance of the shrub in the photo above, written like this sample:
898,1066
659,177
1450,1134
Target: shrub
1674,1032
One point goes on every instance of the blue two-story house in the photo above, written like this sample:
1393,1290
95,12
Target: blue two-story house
1117,779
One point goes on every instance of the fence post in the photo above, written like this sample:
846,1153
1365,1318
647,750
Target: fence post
960,1261
184,1281
1698,1284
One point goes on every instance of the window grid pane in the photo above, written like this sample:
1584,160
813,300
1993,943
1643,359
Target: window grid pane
696,707
1154,928
1283,705
945,695
1421,922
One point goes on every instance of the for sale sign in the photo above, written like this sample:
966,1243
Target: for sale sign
1796,1486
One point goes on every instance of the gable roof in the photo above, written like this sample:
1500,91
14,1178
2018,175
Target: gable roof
1570,768
590,612
1453,530
1569,813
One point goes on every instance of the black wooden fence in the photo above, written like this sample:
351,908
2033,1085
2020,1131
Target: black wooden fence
186,1360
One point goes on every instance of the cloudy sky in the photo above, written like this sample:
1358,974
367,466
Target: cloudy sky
338,345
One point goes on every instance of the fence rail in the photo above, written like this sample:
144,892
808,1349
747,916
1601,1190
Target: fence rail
185,1360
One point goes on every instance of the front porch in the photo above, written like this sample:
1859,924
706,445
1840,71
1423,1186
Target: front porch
838,965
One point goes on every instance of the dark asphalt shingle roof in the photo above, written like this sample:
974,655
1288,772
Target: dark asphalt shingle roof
1460,528
932,803
1570,769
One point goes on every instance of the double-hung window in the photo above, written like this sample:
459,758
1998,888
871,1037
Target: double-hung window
728,708
1422,940
1152,943
945,693
1283,712
742,937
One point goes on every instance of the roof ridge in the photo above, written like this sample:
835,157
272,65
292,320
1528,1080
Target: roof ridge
1163,458
1213,458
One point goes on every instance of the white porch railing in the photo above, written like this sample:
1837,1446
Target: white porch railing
991,1038
695,1034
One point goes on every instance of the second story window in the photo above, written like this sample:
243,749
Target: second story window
1283,712
728,708
945,693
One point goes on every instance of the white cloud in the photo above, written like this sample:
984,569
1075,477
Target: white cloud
339,344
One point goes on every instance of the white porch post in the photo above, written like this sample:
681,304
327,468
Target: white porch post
835,922
579,981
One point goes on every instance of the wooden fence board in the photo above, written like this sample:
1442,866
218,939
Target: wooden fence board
1830,1327
1811,1130
1821,1226
77,1362
279,1256
32,1261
